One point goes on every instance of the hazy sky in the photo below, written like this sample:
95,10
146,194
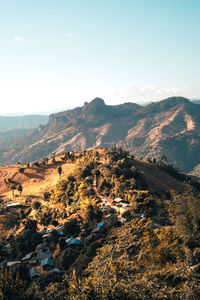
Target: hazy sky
56,54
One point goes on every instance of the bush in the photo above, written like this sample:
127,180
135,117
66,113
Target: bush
36,164
72,227
27,241
36,205
68,257
46,196
31,225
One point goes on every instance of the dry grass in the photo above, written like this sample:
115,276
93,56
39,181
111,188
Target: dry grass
35,180
158,181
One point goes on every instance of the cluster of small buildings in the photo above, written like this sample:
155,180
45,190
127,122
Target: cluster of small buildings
41,260
117,204
97,234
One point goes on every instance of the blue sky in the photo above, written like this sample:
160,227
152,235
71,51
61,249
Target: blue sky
56,54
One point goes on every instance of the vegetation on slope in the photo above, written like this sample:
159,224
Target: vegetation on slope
148,246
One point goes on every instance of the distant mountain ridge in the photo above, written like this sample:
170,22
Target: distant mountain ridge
196,101
169,127
21,122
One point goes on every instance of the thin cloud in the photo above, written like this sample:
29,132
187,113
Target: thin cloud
69,35
18,39
139,93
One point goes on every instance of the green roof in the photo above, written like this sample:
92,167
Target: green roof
47,261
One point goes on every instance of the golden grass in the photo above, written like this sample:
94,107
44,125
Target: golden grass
35,180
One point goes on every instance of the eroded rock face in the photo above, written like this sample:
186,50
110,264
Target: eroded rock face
169,127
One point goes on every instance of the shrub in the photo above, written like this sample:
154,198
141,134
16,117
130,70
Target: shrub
68,257
59,171
20,189
36,205
72,227
31,225
36,164
46,196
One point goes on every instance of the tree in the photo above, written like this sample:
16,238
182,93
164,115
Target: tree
31,225
11,286
68,257
20,189
71,228
13,188
46,196
53,158
21,170
59,171
36,205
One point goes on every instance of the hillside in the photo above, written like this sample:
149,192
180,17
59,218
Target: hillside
7,136
35,180
108,227
169,127
21,122
196,101
11,128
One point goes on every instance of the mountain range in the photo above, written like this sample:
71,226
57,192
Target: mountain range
169,127
8,123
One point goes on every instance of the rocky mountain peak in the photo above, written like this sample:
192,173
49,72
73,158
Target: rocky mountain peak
98,101
97,105
175,100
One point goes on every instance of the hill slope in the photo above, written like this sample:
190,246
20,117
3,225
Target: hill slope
169,127
145,245
21,122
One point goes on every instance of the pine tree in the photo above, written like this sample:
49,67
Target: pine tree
59,171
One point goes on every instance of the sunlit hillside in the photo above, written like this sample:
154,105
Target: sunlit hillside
35,180
98,224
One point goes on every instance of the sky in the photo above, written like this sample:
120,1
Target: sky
57,54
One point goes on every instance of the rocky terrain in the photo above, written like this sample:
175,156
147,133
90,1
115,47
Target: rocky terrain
167,128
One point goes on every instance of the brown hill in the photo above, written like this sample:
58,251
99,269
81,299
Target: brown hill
169,127
35,180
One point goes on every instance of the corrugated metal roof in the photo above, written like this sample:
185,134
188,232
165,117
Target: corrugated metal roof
34,272
101,224
47,261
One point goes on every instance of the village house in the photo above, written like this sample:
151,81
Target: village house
118,200
100,228
40,255
27,257
34,272
109,201
12,263
73,242
47,264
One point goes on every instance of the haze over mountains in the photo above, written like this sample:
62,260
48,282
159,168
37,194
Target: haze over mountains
169,127
21,122
12,127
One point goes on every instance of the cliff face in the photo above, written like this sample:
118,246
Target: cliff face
169,127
